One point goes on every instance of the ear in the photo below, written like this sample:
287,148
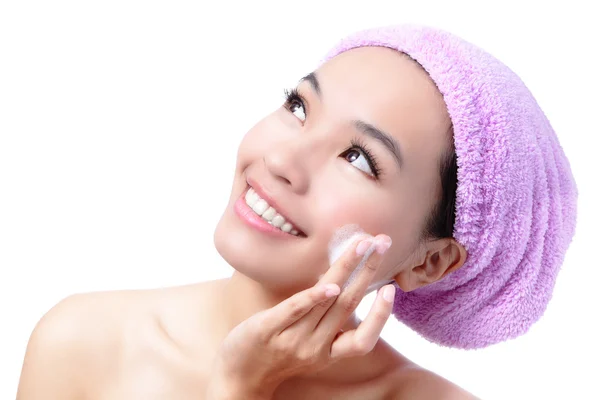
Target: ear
438,258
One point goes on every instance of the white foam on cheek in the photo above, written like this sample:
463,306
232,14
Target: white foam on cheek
340,241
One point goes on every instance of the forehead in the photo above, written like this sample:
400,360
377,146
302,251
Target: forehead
387,88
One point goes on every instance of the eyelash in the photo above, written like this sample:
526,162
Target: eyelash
292,96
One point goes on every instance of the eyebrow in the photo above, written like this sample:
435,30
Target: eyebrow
312,78
387,140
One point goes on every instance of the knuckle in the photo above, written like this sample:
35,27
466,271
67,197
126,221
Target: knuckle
296,308
286,344
253,326
371,265
280,352
326,303
362,346
322,349
351,303
289,348
308,355
260,333
348,265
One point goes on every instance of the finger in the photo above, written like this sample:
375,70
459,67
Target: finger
341,269
363,339
292,309
339,274
350,298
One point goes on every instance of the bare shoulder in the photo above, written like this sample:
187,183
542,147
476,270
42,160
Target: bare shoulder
73,344
417,383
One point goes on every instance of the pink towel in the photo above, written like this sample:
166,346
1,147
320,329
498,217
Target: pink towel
516,198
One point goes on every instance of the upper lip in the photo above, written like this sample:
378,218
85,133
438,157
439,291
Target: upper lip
260,190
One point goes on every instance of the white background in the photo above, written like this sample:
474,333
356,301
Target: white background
119,123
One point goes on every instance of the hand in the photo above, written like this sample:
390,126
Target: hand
302,333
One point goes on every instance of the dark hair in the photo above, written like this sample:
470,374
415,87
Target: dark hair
440,223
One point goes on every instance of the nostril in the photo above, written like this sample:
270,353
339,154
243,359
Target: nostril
288,171
277,170
285,180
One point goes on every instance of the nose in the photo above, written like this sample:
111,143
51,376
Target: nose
286,164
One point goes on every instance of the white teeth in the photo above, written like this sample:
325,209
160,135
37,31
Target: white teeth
268,213
277,221
260,207
251,197
287,227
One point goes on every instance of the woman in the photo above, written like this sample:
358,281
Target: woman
442,158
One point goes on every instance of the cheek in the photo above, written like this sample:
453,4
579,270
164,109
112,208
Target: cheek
340,201
387,214
335,209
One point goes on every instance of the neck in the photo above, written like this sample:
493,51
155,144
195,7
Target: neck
242,297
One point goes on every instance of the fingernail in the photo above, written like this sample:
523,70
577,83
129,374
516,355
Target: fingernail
363,246
388,293
383,244
331,289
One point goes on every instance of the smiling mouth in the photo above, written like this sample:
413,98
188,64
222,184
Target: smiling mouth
270,214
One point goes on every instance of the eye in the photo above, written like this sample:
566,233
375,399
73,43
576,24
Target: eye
359,160
360,156
294,102
299,108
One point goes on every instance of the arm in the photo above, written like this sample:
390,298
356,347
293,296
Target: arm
51,368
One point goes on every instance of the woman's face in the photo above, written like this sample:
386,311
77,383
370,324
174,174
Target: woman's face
307,158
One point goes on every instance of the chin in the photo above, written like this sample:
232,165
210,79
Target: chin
289,266
239,250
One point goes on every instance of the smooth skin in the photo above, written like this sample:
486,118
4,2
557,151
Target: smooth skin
302,334
172,343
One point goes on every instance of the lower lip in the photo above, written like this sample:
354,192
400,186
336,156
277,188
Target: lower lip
248,215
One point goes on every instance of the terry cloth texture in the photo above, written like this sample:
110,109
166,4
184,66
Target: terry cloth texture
516,198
